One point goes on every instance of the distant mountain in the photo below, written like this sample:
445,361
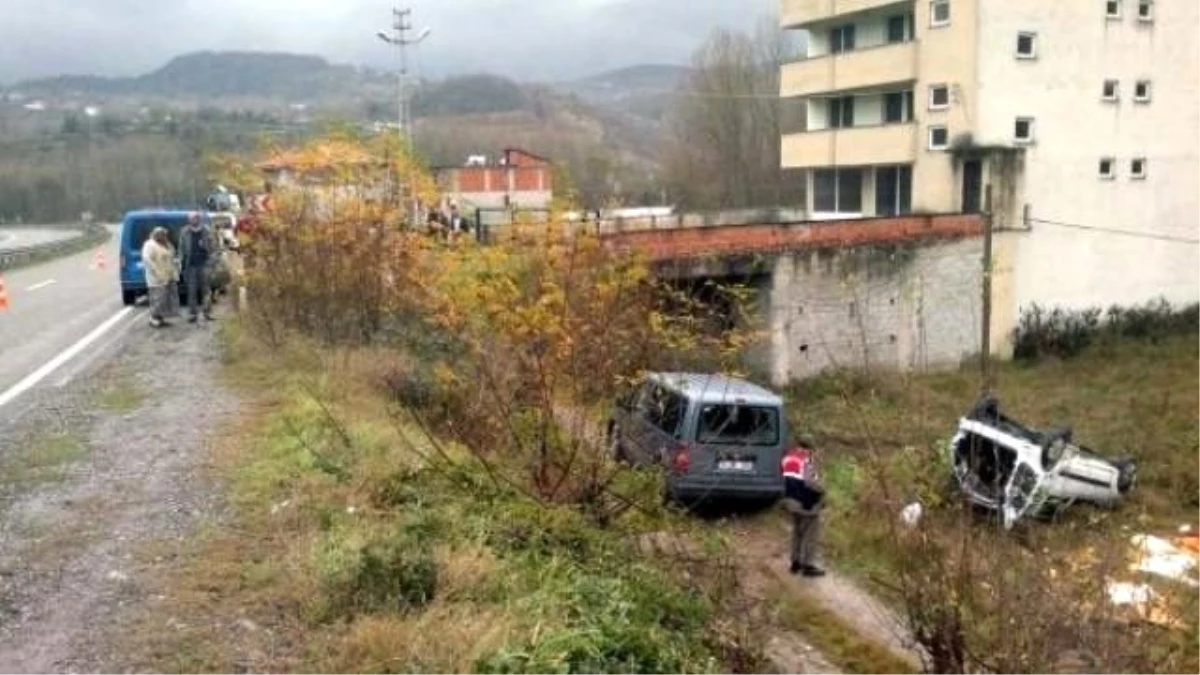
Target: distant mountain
217,74
646,76
643,90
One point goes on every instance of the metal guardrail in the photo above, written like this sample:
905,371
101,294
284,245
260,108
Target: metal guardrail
89,235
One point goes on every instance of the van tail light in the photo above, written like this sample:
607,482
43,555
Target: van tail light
122,260
681,458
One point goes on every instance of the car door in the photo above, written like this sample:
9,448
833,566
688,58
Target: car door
643,432
1025,493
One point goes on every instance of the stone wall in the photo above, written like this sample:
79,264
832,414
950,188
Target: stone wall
892,307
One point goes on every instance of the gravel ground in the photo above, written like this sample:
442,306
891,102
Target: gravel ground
93,472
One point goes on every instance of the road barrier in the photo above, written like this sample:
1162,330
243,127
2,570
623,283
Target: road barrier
89,235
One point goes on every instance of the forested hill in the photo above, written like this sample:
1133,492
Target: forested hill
217,74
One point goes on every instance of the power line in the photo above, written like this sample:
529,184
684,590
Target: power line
1113,230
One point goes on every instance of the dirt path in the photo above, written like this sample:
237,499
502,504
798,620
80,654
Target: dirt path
765,552
92,472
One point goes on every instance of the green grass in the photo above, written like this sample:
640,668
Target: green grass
121,397
44,458
833,638
884,439
366,555
1128,398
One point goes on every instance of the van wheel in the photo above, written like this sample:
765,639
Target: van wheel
129,298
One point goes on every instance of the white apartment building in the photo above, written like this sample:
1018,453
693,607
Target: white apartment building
1080,117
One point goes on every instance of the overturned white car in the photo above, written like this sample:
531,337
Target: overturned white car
1003,465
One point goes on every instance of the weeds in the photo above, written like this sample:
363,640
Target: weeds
43,458
121,397
1066,334
981,600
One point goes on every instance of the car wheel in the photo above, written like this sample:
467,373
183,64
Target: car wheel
1127,474
129,298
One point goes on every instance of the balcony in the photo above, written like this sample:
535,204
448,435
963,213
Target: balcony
851,146
798,13
856,69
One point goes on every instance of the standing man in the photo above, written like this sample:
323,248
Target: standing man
197,250
158,259
458,224
804,498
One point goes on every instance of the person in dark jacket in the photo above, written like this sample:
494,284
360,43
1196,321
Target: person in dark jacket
804,499
198,249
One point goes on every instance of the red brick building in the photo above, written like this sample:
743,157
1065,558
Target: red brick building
519,179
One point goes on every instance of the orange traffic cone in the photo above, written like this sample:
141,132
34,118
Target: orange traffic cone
98,262
3,295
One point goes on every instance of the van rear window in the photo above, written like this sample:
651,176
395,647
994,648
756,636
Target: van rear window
142,227
738,424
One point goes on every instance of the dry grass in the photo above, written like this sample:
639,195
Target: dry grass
255,593
123,396
43,458
885,436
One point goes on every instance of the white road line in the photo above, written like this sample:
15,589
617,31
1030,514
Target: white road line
66,355
98,350
42,285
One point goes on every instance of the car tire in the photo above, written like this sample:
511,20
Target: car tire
129,298
1127,474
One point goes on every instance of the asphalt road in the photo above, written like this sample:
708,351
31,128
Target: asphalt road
63,316
20,237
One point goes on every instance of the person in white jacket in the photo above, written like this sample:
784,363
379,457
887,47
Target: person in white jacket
162,276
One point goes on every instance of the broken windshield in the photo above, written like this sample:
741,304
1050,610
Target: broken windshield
742,425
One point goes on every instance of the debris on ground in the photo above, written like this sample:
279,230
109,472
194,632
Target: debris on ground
1177,558
1142,603
911,515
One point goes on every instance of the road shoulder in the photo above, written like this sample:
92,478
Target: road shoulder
92,472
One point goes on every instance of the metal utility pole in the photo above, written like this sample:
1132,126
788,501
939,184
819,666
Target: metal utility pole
985,336
399,38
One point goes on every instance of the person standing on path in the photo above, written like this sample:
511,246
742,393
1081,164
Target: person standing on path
804,498
198,247
158,259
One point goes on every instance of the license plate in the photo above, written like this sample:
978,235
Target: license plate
731,465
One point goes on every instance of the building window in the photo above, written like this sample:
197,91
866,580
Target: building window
899,28
1026,45
897,107
841,112
837,190
1023,130
1145,10
1137,168
939,12
1112,9
1108,168
939,97
893,190
939,137
1109,91
1141,91
841,38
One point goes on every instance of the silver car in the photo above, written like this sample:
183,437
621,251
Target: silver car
1006,466
716,436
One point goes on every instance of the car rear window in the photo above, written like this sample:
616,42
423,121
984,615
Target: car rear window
142,227
723,424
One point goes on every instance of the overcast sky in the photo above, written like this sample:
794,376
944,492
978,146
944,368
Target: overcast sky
526,39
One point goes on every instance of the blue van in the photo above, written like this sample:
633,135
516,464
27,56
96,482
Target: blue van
135,230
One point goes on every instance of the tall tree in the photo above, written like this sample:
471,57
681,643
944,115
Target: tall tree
724,126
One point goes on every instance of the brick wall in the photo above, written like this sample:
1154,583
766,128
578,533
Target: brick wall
694,242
